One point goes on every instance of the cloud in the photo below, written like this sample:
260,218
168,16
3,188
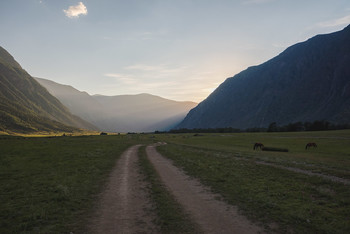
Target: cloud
125,79
114,75
194,86
174,81
160,69
76,11
336,22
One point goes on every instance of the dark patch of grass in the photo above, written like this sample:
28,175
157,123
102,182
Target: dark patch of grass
295,202
48,185
171,217
274,149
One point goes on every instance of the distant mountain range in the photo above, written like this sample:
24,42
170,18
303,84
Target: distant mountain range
122,113
26,106
308,81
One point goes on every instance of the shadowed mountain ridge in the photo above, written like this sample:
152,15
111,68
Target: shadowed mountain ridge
308,81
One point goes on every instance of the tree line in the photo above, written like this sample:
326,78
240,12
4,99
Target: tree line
306,126
318,125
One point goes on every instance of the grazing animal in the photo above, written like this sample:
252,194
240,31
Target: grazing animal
311,144
258,145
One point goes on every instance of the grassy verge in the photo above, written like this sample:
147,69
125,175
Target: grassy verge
48,184
294,202
171,217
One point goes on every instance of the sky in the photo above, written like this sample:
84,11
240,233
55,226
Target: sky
177,49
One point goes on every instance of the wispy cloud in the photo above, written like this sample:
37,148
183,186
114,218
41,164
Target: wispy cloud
174,81
336,22
76,11
154,69
114,75
124,79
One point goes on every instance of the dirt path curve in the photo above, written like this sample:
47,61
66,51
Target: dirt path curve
212,215
124,206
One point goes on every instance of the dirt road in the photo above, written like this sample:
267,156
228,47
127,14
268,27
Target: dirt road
124,206
212,215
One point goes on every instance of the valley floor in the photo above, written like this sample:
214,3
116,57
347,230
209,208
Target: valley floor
193,184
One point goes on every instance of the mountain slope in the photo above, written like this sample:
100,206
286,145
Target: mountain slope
122,113
79,103
308,81
26,106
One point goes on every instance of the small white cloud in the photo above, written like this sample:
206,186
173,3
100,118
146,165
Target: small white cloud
76,11
336,22
113,75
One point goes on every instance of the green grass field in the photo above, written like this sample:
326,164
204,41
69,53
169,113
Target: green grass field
49,184
280,199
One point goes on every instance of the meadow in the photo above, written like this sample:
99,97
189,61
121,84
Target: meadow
50,184
281,200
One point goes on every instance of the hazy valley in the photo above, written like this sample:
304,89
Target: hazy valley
309,81
122,113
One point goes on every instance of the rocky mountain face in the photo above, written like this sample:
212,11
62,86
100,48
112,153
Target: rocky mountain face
308,81
26,106
122,113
